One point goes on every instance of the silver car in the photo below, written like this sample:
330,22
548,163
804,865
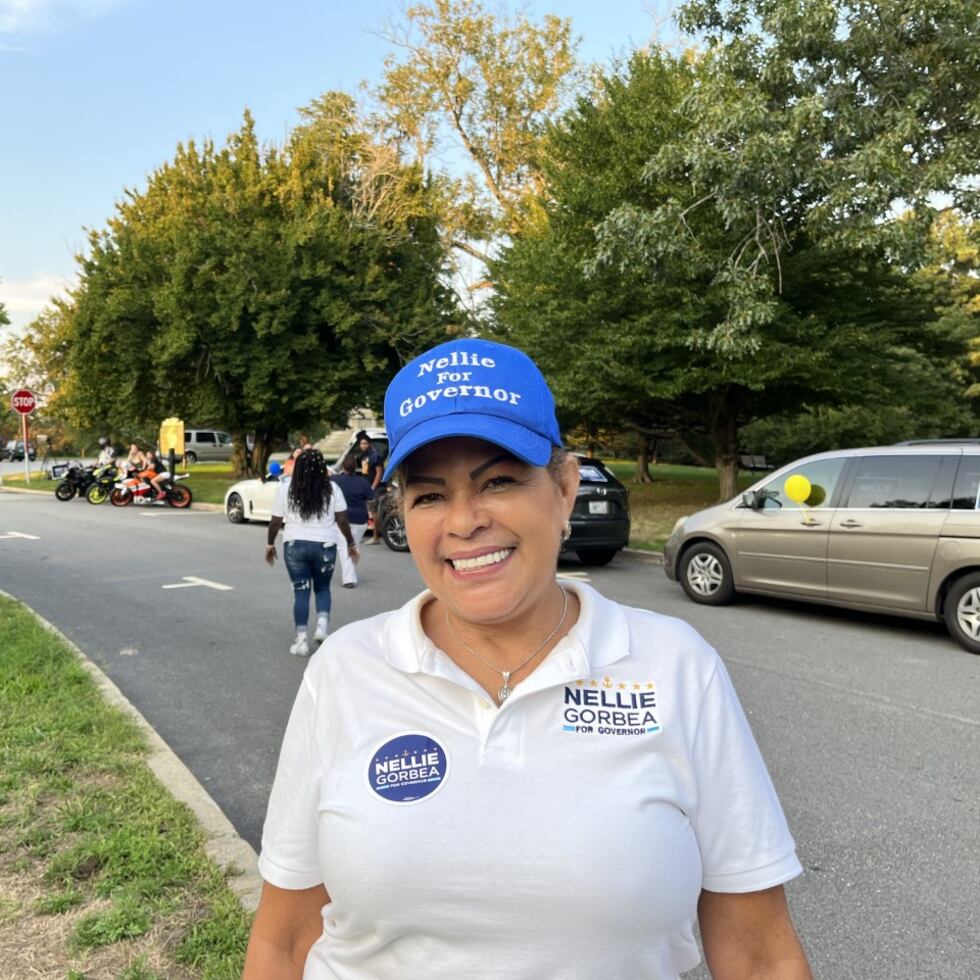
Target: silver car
892,529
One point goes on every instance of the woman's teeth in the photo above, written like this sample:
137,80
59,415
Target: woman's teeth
465,564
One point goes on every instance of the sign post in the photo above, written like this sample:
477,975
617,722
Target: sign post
23,402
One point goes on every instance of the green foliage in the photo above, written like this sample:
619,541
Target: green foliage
260,289
695,303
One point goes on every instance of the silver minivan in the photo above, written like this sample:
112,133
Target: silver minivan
891,529
206,444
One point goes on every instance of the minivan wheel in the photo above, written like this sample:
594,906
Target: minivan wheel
706,574
190,459
962,612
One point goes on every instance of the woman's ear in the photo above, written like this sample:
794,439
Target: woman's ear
568,483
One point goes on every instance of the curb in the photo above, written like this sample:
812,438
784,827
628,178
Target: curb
232,854
5,489
657,557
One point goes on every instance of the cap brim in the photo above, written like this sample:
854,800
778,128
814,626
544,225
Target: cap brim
523,443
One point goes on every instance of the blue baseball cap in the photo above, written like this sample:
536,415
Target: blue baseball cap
471,388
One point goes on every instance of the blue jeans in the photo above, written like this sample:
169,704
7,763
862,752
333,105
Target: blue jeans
309,564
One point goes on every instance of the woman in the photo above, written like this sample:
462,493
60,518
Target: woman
508,776
357,492
312,510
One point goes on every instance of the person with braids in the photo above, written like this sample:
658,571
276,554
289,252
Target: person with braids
309,509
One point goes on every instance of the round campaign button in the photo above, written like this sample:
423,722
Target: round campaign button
407,768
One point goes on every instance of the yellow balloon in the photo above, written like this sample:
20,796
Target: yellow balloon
797,488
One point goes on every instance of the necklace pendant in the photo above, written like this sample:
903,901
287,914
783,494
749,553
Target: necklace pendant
504,693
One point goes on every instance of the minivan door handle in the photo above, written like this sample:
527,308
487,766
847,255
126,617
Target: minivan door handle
850,522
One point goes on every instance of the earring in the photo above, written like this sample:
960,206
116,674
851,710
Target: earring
566,531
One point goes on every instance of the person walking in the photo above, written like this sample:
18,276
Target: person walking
512,776
367,460
357,492
309,510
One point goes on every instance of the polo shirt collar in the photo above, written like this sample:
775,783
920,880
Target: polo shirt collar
600,636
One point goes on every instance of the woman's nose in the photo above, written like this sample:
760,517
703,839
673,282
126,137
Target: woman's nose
466,515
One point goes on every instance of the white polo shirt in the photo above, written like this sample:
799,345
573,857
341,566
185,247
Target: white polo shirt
566,834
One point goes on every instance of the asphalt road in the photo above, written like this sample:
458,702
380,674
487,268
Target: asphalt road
870,726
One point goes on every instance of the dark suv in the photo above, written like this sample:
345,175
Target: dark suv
600,519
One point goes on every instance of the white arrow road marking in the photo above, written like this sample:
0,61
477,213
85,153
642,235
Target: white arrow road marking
192,580
18,534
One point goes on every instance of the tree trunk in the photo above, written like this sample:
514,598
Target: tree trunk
239,456
261,451
642,473
724,432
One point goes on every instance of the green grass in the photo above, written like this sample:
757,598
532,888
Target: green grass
84,823
675,492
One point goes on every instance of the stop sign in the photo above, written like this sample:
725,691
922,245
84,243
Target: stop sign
23,401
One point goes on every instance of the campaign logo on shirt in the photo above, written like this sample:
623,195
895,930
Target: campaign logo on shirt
407,768
609,707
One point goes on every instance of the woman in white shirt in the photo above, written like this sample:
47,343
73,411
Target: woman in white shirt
512,777
309,508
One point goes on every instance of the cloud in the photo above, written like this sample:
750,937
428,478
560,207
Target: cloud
24,299
42,16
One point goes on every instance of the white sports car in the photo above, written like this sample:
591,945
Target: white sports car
250,500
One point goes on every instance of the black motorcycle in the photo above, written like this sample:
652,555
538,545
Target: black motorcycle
77,480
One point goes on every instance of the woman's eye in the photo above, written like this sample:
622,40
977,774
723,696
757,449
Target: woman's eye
425,498
498,481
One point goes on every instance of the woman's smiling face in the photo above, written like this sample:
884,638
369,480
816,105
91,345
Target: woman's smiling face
485,528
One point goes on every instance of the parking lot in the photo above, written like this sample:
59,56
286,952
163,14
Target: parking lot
870,725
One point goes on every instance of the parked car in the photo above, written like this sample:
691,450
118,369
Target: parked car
206,445
893,529
251,500
15,450
600,520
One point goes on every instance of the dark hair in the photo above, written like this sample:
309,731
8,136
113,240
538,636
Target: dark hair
309,487
348,464
361,435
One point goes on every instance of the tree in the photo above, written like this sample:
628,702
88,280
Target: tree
815,127
254,288
638,342
487,84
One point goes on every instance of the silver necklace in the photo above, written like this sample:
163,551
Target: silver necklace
505,688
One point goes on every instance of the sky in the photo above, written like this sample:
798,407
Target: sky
95,94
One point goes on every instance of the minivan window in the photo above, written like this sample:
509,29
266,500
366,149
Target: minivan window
823,475
224,439
967,483
205,437
893,482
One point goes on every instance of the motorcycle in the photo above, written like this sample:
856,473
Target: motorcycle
77,480
103,480
132,489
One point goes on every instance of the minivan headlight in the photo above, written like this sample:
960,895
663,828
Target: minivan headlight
678,525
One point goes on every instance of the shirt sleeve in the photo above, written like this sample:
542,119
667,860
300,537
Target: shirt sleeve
280,501
289,857
338,500
744,840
